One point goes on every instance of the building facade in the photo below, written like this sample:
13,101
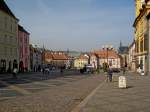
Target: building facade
110,57
132,64
55,59
9,53
141,36
36,58
93,60
81,61
24,51
124,55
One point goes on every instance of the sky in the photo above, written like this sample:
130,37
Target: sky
81,25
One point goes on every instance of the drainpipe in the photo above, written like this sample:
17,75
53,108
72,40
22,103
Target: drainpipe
148,43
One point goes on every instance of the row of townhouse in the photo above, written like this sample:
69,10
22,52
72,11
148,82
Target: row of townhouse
98,58
14,41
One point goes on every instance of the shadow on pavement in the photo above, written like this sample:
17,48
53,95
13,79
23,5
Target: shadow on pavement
23,78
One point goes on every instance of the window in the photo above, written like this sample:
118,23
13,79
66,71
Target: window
5,22
146,43
141,46
5,51
5,38
11,51
137,46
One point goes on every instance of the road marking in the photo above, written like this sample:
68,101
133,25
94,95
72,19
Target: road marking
18,89
85,101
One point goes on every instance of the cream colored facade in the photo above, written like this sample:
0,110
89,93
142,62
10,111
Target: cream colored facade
132,65
141,37
113,62
80,63
8,40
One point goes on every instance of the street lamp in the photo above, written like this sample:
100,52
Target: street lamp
107,48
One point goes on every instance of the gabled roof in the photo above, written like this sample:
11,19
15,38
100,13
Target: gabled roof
82,57
20,28
104,54
55,56
59,56
5,8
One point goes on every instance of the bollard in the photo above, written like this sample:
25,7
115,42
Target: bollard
122,82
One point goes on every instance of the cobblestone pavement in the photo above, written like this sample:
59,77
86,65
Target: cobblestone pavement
109,98
45,93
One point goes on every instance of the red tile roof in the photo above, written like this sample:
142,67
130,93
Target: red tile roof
82,57
105,53
55,56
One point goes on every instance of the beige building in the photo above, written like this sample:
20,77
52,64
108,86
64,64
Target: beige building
81,61
132,61
8,38
141,28
93,60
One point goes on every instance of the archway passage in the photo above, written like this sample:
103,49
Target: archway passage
3,65
15,64
10,67
21,67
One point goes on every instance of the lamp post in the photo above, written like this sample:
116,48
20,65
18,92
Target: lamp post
107,48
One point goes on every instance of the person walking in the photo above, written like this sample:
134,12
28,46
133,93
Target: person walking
15,69
124,70
110,74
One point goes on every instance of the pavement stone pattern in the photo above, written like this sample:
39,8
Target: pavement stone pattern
109,98
46,93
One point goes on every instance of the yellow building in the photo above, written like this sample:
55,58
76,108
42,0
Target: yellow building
81,61
142,9
8,38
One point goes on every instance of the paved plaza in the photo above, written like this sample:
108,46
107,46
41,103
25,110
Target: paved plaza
73,92
45,93
109,98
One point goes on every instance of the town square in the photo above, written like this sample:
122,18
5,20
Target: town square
74,56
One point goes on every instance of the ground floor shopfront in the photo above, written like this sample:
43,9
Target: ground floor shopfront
142,64
7,65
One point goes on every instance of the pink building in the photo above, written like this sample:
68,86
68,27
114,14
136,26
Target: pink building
24,51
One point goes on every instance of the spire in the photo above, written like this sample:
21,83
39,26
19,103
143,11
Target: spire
120,43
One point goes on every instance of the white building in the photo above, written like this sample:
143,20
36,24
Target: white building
132,64
108,56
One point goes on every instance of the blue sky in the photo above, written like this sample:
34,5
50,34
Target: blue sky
81,25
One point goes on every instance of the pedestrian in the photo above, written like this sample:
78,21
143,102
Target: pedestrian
43,70
110,73
15,69
61,70
124,70
15,73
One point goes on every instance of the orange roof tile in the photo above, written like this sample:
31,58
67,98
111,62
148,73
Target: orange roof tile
82,57
105,53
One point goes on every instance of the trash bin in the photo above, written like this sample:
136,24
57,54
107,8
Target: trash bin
122,82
